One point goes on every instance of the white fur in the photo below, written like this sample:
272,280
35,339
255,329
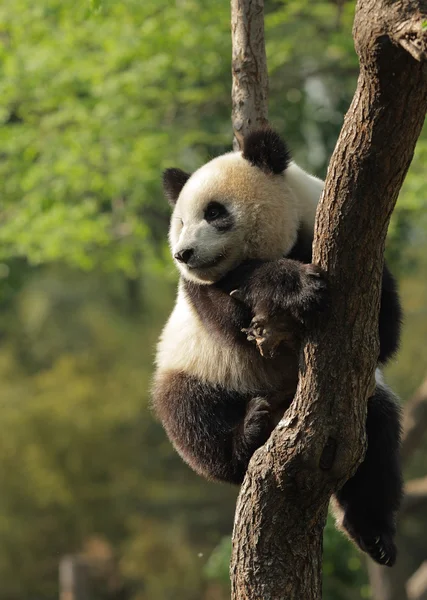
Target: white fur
308,190
268,210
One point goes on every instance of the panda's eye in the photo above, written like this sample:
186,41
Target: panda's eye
215,210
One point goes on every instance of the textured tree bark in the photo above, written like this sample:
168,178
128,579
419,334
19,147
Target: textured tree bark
249,68
282,506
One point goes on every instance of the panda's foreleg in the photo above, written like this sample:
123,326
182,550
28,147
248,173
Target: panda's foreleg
215,430
285,286
370,499
283,296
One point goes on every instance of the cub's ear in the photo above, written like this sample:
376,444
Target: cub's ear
265,149
173,182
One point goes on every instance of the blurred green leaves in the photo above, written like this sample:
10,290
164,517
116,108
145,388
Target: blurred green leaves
87,124
94,103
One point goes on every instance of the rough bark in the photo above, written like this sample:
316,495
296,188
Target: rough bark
249,68
282,506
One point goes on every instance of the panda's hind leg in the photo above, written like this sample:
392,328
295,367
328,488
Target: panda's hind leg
370,499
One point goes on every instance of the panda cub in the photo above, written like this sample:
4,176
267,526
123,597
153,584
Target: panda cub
244,221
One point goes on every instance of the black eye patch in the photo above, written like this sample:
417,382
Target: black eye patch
218,216
214,211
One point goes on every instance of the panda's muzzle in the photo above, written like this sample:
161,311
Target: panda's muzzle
184,256
201,266
191,261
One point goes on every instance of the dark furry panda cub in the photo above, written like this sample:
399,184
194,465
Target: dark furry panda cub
244,221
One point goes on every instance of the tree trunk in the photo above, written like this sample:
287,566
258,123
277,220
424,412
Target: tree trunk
73,579
281,510
249,68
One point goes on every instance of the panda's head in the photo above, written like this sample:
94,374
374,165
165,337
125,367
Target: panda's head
237,206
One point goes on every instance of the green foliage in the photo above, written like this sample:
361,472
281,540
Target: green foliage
217,567
344,576
87,123
81,457
94,104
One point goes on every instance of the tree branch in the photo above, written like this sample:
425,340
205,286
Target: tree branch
281,511
249,68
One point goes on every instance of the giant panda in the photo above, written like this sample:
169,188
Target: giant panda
244,222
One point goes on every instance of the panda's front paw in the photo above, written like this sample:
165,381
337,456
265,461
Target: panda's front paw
380,548
268,333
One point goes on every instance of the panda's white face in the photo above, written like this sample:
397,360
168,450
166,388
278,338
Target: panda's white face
205,239
241,205
229,211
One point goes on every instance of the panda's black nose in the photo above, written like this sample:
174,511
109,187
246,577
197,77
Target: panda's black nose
184,255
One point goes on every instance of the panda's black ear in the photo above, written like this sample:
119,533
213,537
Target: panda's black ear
173,182
264,148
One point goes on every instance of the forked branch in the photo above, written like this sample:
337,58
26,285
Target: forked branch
281,511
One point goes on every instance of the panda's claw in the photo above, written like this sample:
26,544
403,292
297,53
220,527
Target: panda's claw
378,544
381,549
255,331
237,295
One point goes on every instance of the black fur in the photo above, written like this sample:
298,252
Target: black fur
216,431
302,249
224,224
371,498
222,315
390,318
287,287
173,182
218,216
266,150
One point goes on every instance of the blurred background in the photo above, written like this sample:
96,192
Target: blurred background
95,100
